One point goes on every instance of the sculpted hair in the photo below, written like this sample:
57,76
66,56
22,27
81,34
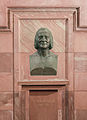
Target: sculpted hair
36,40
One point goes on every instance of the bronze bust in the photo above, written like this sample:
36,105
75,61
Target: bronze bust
43,62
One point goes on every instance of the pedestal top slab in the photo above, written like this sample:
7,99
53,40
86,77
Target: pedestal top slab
44,82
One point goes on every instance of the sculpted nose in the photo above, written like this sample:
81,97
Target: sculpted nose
44,39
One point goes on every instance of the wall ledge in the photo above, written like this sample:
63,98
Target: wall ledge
57,82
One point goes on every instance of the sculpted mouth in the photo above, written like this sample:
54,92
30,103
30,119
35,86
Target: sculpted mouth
43,43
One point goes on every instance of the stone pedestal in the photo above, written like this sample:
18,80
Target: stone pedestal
44,99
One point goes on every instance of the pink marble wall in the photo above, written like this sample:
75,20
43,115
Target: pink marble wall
72,59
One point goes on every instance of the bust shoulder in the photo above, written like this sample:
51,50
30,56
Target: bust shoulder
34,54
53,54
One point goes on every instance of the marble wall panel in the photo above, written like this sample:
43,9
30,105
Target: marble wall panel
80,41
80,81
6,82
6,115
81,62
6,42
6,62
80,100
6,100
28,29
81,115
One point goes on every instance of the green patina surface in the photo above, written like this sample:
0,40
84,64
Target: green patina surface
43,62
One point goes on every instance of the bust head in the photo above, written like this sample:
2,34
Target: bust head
43,39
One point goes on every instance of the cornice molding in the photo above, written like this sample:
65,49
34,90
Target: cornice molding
11,11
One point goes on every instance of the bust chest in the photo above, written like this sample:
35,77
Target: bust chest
45,64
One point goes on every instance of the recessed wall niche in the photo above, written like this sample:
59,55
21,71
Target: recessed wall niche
25,26
27,31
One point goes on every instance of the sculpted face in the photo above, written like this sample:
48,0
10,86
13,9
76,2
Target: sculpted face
43,39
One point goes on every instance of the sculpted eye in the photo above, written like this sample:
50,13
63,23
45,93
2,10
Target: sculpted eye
46,37
40,37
